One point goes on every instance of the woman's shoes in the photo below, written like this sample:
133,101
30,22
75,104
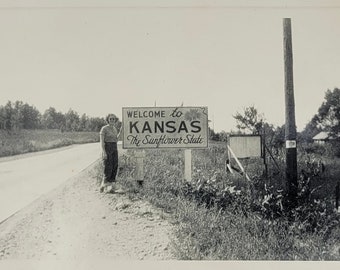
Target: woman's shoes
119,189
111,187
103,186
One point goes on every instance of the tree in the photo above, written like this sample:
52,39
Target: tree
250,120
311,129
329,112
31,117
17,116
213,135
96,123
278,140
8,116
2,117
49,118
223,136
327,118
72,120
84,123
53,120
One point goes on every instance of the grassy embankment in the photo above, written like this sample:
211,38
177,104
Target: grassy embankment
220,216
25,141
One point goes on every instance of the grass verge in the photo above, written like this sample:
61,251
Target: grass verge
223,217
25,141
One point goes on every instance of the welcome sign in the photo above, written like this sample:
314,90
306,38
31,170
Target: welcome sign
165,127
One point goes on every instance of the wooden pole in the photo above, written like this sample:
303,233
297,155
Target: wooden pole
187,165
263,141
337,195
227,163
290,127
140,167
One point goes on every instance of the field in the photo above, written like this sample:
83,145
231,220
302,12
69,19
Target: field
220,216
24,141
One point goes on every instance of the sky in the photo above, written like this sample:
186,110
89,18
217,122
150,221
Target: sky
97,57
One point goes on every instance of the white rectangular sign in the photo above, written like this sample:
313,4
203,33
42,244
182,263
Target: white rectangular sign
290,144
245,146
165,127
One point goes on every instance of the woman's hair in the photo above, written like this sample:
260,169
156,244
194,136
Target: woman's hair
109,116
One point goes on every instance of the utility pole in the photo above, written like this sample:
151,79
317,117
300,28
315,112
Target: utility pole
290,127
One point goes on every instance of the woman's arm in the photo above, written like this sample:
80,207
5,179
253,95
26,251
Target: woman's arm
119,129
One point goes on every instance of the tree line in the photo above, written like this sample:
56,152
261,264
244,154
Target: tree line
19,115
326,119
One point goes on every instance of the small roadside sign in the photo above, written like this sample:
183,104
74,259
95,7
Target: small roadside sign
245,146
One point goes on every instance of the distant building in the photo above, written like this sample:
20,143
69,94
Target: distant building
323,137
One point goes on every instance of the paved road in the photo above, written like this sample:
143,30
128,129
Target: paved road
26,178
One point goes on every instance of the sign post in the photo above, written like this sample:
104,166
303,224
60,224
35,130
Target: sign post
187,165
166,127
140,154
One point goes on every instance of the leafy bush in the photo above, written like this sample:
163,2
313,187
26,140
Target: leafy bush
225,216
334,148
329,149
313,148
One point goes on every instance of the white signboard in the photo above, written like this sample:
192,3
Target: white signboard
290,144
165,127
245,146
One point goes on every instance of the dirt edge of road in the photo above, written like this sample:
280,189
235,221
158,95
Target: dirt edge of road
74,221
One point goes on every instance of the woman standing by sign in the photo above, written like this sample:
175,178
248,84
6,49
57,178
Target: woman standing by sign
108,140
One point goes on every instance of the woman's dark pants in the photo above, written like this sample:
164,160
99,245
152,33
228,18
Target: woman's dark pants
111,162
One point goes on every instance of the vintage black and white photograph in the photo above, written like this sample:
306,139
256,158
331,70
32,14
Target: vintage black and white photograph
169,131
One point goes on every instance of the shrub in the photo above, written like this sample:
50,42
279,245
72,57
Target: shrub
224,216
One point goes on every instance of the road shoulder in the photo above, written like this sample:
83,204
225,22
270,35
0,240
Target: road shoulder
75,221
